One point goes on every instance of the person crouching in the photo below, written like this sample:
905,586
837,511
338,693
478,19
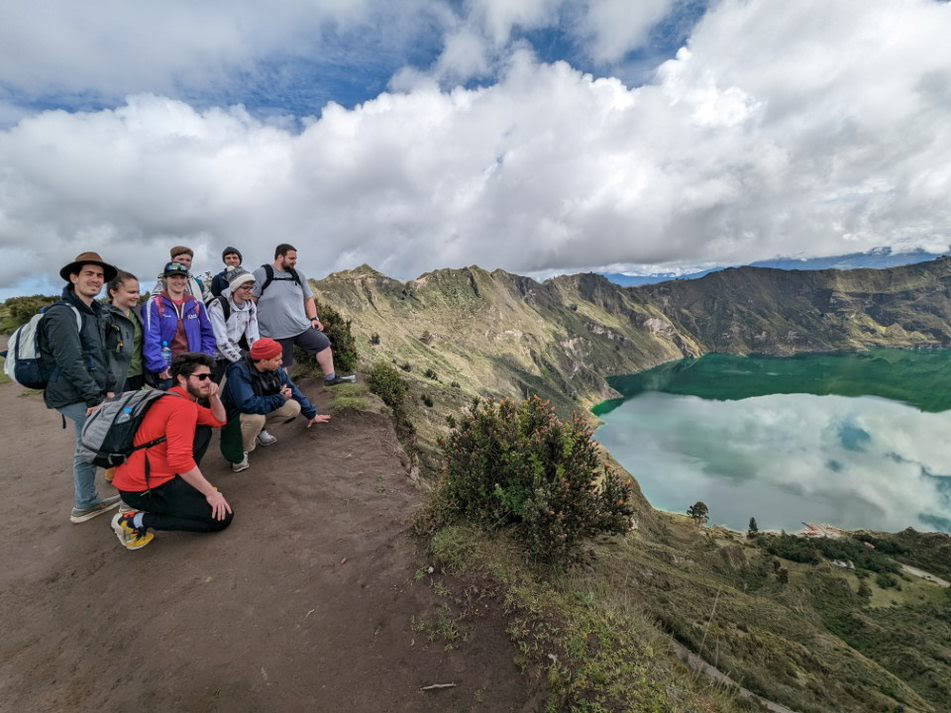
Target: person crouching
162,482
258,391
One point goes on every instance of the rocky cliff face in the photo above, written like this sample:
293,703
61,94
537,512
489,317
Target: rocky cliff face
508,335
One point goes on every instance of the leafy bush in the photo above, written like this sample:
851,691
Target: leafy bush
375,339
431,374
386,382
18,311
338,331
427,400
517,466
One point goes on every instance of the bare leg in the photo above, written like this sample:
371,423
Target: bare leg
325,359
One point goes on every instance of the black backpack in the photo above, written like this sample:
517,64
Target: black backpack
269,278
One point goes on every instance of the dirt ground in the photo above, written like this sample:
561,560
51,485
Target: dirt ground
306,603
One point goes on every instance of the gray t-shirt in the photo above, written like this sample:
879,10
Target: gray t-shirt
281,311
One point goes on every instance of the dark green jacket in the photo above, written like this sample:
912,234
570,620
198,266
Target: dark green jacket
120,343
77,360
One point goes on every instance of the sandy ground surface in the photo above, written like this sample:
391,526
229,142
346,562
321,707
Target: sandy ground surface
305,603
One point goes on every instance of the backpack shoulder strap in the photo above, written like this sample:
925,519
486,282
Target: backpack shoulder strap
268,276
295,276
225,306
64,303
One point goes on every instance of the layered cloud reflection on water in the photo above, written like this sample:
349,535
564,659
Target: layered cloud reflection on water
853,462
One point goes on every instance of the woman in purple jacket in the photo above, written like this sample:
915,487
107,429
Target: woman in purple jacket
175,323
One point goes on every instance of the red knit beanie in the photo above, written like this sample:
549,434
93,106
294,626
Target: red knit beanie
265,349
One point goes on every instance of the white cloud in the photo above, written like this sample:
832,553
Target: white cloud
615,27
815,128
853,462
113,47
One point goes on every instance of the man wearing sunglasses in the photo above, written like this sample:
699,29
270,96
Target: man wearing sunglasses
163,483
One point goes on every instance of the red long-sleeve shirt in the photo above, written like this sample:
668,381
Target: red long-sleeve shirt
172,417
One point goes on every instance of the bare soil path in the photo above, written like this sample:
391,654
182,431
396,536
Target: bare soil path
304,604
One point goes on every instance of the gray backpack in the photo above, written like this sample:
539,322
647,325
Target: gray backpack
108,434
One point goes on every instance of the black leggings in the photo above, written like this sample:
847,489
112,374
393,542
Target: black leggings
175,505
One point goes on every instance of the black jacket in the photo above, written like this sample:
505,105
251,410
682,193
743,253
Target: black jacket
77,361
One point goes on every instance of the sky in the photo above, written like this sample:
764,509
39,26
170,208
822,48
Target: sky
541,137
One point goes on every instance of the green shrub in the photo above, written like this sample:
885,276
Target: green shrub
18,311
427,400
375,339
338,331
431,374
517,466
386,382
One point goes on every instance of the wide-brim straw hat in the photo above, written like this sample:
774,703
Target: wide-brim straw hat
89,258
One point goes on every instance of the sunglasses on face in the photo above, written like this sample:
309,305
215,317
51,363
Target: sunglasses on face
202,377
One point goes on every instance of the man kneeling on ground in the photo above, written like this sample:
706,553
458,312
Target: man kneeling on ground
259,391
162,482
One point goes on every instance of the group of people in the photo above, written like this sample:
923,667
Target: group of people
218,350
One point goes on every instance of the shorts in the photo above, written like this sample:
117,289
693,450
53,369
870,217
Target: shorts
310,340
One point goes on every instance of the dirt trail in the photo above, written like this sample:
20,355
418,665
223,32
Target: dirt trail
305,603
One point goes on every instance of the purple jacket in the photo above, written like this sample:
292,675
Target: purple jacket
159,322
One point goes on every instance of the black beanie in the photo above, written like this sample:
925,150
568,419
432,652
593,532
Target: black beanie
231,251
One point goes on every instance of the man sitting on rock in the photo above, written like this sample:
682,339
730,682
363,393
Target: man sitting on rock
258,391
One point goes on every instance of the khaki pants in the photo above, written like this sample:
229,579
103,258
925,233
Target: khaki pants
253,423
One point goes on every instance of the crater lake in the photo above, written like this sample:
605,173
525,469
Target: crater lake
855,440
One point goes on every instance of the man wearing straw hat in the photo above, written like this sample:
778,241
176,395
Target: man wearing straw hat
75,356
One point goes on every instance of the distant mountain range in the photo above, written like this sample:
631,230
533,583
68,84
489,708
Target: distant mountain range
507,335
876,258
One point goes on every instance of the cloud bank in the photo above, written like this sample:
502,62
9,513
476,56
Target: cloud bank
812,128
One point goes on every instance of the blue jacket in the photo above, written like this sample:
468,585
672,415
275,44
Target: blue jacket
159,322
250,391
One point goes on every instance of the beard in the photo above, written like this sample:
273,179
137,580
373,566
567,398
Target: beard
195,391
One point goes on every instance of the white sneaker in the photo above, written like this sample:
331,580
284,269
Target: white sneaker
242,464
266,439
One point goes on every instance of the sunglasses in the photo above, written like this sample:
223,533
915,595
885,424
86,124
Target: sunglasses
202,377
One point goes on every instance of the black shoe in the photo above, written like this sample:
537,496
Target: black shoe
337,380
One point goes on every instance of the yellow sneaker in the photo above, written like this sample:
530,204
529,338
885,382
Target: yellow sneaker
131,537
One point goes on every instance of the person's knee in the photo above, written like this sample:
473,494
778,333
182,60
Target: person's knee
252,420
219,525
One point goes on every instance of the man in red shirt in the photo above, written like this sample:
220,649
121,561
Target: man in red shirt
163,483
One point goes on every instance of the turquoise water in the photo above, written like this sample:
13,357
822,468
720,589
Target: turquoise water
854,440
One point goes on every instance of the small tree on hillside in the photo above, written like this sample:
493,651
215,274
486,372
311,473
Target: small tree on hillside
699,512
753,530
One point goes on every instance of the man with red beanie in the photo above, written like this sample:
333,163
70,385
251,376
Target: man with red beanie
259,391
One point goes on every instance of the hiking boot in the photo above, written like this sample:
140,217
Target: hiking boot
266,439
337,380
242,464
131,537
104,505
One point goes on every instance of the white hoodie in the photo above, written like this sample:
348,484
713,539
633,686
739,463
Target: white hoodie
243,321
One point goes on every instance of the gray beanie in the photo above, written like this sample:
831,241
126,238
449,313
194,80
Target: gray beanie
231,251
237,277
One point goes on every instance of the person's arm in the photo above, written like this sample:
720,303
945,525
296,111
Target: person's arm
216,408
306,407
152,339
208,343
216,316
243,396
219,506
259,276
251,332
66,346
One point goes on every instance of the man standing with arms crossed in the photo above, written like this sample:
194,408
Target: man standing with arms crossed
287,313
75,356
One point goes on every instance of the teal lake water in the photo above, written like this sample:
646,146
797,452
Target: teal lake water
854,440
